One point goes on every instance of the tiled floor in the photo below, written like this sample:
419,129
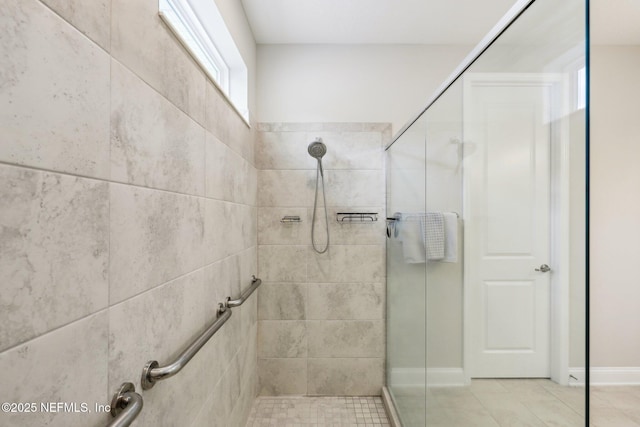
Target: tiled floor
615,406
488,403
318,412
495,403
509,403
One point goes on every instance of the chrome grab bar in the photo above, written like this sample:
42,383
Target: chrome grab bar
255,282
125,406
153,372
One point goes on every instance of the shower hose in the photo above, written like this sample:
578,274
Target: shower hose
319,177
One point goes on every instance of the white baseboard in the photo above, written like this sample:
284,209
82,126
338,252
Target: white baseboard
435,377
606,376
449,377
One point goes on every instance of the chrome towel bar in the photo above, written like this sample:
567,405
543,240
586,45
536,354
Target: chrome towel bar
125,406
255,282
153,372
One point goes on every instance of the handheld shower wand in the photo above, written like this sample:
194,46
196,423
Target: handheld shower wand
317,149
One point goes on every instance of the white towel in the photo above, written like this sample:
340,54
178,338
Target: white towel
429,236
451,237
410,234
433,235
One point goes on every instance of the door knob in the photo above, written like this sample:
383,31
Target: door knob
543,268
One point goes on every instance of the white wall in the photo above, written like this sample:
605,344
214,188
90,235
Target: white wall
345,83
615,206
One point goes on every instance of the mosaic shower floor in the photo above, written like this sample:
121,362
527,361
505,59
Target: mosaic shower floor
318,412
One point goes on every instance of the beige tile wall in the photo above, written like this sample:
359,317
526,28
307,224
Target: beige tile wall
321,316
128,209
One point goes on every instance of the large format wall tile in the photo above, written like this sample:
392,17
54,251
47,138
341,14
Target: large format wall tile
282,376
221,348
342,301
157,325
248,267
286,188
93,18
282,263
282,339
229,400
345,150
100,274
338,295
351,263
67,365
272,231
249,312
219,277
282,301
229,176
214,412
284,150
54,243
155,237
352,150
248,354
217,230
244,403
153,143
346,338
141,42
352,377
226,124
229,228
354,187
291,127
51,118
244,225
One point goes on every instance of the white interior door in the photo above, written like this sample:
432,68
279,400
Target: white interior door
507,135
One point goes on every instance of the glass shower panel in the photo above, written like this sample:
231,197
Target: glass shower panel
488,327
444,263
406,276
524,184
524,197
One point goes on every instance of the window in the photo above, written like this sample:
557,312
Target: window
199,26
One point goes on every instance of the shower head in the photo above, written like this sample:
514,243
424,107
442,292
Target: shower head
317,149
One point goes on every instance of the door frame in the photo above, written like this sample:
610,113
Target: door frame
559,217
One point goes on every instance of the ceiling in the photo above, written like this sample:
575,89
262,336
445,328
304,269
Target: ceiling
373,21
412,21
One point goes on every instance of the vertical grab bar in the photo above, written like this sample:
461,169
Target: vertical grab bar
125,406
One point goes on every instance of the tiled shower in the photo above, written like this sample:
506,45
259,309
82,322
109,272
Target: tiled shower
321,316
135,199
